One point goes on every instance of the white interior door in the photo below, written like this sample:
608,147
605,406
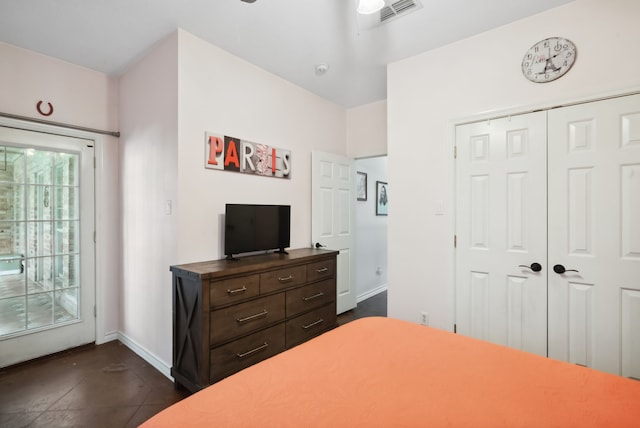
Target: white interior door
47,278
501,295
332,212
594,233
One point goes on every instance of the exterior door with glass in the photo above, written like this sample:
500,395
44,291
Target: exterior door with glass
47,273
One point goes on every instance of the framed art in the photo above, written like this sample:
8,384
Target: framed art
382,198
361,186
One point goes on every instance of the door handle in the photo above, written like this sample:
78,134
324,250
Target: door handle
536,267
560,269
319,245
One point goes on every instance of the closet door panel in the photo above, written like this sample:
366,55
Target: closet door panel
594,234
501,231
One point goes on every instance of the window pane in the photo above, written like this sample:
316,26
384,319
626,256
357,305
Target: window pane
39,274
11,201
66,169
11,239
67,237
39,202
66,305
12,315
39,166
66,271
39,239
40,310
12,165
66,203
11,285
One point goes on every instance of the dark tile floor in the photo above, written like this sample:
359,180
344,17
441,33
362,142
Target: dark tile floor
101,386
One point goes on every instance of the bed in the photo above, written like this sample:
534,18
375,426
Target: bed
383,372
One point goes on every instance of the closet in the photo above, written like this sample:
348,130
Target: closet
548,233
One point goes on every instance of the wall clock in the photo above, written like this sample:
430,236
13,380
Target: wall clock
548,59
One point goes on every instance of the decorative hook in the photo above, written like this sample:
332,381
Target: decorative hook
43,113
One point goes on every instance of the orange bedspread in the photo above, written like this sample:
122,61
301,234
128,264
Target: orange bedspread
381,372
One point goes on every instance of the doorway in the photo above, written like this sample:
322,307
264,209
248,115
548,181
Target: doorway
47,256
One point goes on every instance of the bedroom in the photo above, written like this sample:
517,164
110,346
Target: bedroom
423,102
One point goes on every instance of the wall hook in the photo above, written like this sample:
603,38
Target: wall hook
39,107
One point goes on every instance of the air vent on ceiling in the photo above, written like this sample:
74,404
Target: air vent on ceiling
398,8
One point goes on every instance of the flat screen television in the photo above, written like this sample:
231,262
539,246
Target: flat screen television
252,227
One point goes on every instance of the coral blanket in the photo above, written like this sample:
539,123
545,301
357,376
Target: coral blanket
382,372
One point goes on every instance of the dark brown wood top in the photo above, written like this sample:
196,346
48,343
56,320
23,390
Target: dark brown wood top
224,267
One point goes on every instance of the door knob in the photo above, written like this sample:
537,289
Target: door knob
560,269
319,245
536,267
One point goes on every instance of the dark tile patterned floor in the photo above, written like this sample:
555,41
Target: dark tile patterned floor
101,386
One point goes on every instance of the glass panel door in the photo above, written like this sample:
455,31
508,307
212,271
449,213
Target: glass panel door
46,243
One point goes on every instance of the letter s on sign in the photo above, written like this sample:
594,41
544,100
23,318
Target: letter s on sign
286,167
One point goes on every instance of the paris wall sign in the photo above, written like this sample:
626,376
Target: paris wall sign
234,154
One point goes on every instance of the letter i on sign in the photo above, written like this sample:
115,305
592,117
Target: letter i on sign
273,160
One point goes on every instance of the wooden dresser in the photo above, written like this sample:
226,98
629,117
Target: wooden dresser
228,315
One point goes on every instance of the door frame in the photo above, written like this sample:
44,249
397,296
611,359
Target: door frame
101,335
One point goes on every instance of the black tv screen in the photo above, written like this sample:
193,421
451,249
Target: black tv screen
251,227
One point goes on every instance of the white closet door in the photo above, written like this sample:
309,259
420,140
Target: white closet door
501,231
594,233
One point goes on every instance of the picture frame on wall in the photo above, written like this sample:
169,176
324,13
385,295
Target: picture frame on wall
361,186
382,198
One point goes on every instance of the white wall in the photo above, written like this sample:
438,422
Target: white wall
480,76
149,174
371,232
223,94
85,98
367,130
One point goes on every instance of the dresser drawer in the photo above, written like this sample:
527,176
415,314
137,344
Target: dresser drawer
233,290
235,356
310,296
321,270
280,279
311,324
243,318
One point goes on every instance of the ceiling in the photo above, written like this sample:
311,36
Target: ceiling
288,38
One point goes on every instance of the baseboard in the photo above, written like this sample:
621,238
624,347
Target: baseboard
371,293
146,355
108,337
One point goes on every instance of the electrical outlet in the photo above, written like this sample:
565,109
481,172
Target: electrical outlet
424,318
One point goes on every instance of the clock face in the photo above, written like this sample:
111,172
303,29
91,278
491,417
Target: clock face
548,59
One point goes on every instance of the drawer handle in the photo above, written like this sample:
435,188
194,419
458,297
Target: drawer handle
264,346
315,296
322,270
313,324
285,279
253,317
237,290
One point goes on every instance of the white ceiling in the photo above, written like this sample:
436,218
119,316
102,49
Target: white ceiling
286,37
